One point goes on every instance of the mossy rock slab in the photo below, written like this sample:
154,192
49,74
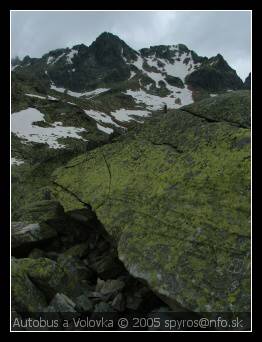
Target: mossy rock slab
175,196
26,297
36,281
42,211
28,236
234,107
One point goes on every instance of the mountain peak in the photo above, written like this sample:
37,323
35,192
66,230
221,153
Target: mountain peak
107,36
109,49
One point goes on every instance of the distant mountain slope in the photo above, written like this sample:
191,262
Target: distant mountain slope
93,92
109,59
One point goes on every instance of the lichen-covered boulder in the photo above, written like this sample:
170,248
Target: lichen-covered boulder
232,107
28,235
61,303
42,211
174,195
26,297
36,281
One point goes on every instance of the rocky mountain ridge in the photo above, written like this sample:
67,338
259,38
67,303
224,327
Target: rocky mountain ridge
109,59
84,95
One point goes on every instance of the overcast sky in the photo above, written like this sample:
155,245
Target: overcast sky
34,33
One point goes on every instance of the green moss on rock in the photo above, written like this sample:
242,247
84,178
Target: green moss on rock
36,281
175,196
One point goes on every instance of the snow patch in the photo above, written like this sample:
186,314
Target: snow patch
173,47
22,125
133,73
71,55
106,130
60,90
154,102
43,97
89,94
100,117
57,59
139,63
50,60
15,161
93,93
126,115
179,68
52,98
14,67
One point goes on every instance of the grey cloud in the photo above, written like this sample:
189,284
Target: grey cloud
207,32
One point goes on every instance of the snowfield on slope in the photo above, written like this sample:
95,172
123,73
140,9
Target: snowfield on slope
153,102
100,117
181,66
15,161
51,98
71,55
22,124
52,60
89,94
106,130
126,115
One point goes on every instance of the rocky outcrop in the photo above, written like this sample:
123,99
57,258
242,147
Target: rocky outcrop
26,235
233,108
45,210
214,74
247,83
74,272
174,197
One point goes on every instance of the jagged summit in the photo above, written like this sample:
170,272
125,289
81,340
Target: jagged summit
107,36
110,50
110,60
110,41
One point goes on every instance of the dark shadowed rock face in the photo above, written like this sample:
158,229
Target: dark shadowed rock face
247,83
215,74
102,62
25,236
174,195
76,272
